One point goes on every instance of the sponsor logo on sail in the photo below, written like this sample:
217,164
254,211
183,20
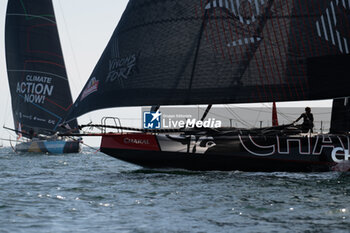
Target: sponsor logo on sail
329,24
35,88
120,69
91,88
39,119
247,11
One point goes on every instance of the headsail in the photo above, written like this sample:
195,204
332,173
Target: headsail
222,51
38,81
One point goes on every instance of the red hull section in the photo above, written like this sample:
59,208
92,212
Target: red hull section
145,142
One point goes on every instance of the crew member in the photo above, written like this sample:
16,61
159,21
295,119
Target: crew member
308,121
31,133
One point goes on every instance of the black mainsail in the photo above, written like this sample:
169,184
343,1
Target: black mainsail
37,75
222,51
340,121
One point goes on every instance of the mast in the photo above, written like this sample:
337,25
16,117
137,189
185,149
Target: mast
155,108
206,112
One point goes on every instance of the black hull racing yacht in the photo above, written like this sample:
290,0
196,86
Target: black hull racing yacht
225,52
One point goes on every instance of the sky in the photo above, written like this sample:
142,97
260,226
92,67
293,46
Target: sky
85,27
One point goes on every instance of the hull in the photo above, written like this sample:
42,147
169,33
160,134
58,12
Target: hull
245,153
49,146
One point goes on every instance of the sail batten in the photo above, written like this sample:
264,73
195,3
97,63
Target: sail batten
218,52
39,87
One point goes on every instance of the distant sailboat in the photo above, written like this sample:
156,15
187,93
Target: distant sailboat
189,52
37,77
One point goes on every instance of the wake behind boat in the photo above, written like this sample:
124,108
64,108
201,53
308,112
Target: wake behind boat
40,91
224,52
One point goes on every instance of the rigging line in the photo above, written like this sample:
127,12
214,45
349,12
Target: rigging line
283,115
270,56
14,150
196,53
284,42
211,30
202,14
225,36
238,118
294,41
206,112
42,108
289,66
41,72
81,141
316,51
262,43
304,45
74,57
258,109
253,48
257,118
11,140
215,114
280,60
70,44
7,107
34,16
155,108
279,113
218,34
286,117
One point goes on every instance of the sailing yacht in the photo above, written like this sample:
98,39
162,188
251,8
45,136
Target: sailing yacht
39,87
210,52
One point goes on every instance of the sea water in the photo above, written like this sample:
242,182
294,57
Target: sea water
92,192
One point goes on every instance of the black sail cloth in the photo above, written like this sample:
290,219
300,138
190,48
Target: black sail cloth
222,51
37,76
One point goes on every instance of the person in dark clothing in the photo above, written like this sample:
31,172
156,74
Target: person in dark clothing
308,121
31,133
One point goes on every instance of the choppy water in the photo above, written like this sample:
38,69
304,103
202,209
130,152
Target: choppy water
92,192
